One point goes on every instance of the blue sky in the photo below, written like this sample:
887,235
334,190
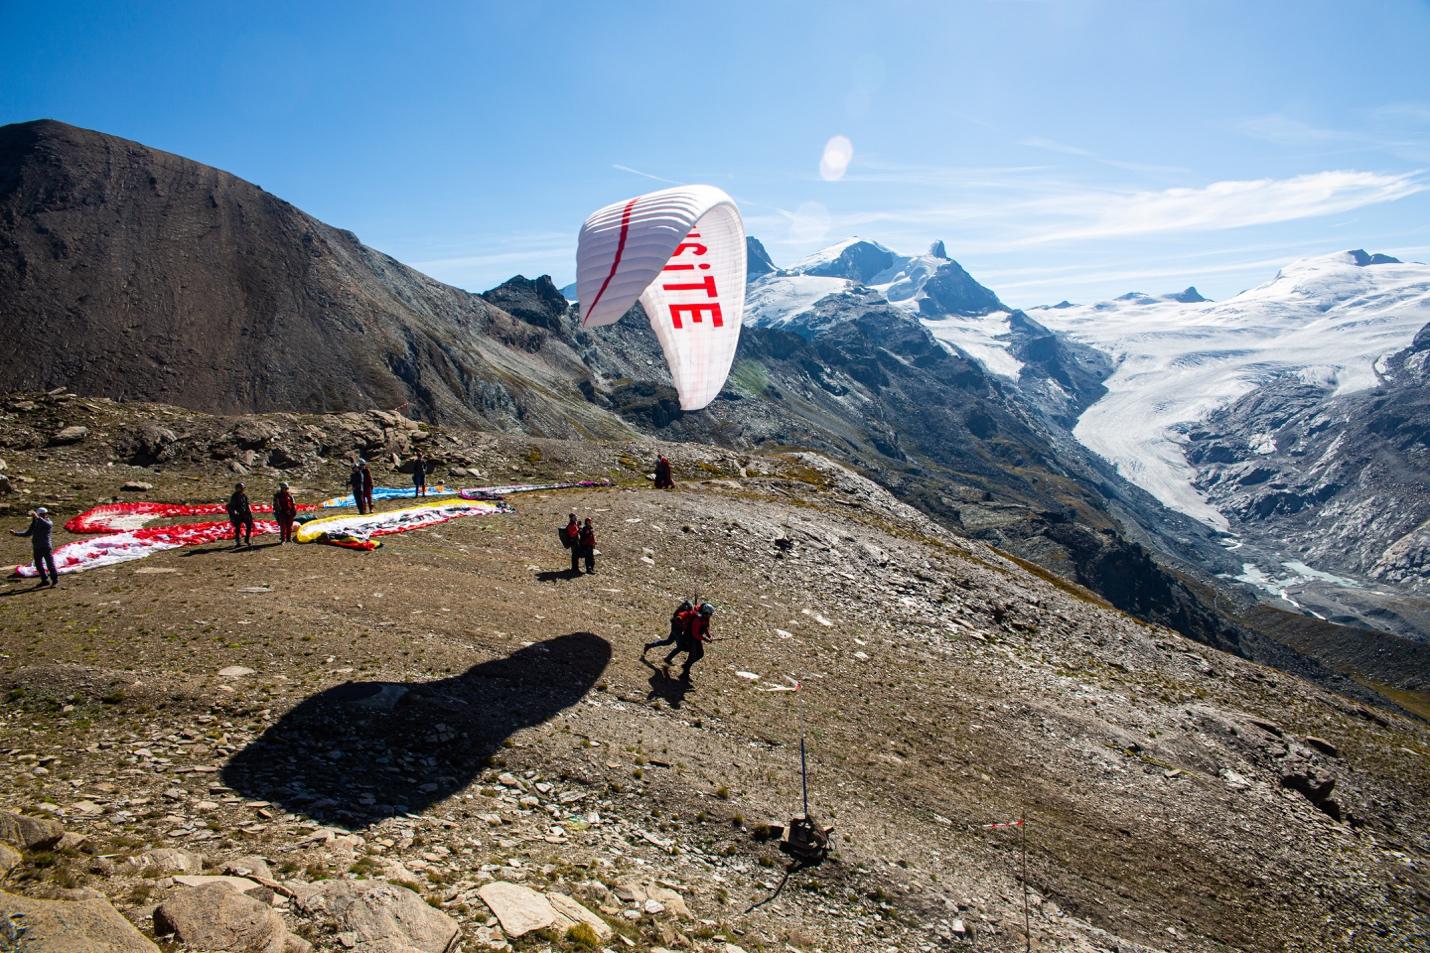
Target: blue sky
1061,149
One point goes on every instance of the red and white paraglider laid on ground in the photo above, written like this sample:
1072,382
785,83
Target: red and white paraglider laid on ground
123,534
120,547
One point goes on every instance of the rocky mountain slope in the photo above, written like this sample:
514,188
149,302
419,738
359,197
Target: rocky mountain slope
132,273
451,719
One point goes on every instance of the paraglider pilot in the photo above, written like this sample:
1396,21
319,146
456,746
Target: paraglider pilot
588,545
240,514
40,530
693,637
285,510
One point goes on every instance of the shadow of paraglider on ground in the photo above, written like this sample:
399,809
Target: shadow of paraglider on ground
361,752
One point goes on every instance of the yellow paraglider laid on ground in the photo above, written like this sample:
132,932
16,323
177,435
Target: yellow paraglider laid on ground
357,531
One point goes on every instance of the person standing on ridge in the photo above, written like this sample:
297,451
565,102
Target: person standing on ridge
588,545
240,514
419,476
41,533
285,510
679,620
663,478
355,484
571,539
366,486
693,638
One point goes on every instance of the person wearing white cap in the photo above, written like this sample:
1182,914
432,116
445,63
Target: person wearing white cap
40,533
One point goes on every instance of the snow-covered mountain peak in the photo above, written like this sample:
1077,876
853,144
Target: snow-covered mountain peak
855,259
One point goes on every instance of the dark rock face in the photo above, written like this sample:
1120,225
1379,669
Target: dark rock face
951,290
536,302
136,274
1362,258
860,261
757,260
1076,370
1345,480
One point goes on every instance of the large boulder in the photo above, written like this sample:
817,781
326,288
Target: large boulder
216,917
520,910
29,833
74,926
379,917
68,435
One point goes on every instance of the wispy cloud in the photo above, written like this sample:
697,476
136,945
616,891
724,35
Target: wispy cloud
645,175
1062,148
1387,133
1286,130
1220,206
1412,112
1083,213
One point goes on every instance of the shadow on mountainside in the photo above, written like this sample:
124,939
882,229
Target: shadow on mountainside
362,752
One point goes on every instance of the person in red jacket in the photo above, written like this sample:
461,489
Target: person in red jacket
663,478
571,539
285,510
588,545
366,487
694,635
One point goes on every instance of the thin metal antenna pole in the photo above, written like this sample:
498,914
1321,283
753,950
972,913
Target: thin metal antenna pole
804,772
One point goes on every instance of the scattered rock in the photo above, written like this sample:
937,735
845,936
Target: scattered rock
670,901
1267,726
137,486
383,917
234,671
520,909
214,917
569,913
29,833
69,435
170,860
248,867
75,926
241,885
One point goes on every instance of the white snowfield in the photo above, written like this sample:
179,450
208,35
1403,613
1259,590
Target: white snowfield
775,300
783,299
1326,320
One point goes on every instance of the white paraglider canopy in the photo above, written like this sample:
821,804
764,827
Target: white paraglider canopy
681,252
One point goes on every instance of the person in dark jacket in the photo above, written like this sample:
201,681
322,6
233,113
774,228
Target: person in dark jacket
663,478
678,622
355,484
41,532
240,514
571,539
285,510
419,476
692,639
588,545
366,486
